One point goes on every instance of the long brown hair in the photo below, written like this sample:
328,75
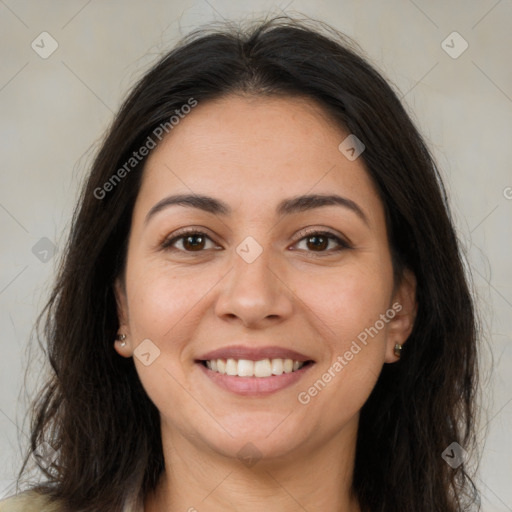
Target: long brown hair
94,411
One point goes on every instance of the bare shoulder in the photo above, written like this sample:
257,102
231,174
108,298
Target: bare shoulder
28,501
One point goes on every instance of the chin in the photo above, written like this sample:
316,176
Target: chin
257,437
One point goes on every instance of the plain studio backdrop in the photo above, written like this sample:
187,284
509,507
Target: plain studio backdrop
66,66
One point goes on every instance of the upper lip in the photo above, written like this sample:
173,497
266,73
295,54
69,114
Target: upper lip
254,353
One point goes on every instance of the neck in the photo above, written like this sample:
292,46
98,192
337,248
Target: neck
317,478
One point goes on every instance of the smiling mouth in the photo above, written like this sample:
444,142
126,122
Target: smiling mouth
263,368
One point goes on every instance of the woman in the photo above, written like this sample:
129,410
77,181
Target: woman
262,304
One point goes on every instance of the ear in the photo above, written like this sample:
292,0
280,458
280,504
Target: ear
405,306
122,315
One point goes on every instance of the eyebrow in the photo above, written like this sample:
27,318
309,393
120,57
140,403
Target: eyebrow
285,207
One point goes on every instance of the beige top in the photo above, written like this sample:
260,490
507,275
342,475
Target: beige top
30,501
27,501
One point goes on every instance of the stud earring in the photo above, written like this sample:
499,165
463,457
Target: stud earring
398,350
121,338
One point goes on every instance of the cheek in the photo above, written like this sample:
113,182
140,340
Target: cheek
347,301
163,302
347,305
166,309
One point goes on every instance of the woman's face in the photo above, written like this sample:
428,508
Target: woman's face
255,284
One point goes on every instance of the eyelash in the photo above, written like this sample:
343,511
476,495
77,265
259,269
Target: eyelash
167,243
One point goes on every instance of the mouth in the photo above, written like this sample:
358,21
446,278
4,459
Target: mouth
254,371
263,368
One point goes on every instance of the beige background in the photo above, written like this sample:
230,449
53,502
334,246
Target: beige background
53,110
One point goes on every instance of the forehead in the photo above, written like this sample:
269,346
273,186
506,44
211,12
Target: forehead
255,150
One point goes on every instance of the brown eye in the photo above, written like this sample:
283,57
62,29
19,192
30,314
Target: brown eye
318,241
194,241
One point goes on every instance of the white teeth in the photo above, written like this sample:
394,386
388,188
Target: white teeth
277,366
245,368
248,368
262,368
231,367
288,366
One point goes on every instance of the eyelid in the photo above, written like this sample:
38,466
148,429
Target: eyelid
315,230
180,233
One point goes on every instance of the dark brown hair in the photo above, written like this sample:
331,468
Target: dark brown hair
94,411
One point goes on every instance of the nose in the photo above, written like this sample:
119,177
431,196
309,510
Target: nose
255,294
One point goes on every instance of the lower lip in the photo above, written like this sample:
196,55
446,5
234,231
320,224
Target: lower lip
254,386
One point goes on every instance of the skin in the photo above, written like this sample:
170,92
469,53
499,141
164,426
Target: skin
252,152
